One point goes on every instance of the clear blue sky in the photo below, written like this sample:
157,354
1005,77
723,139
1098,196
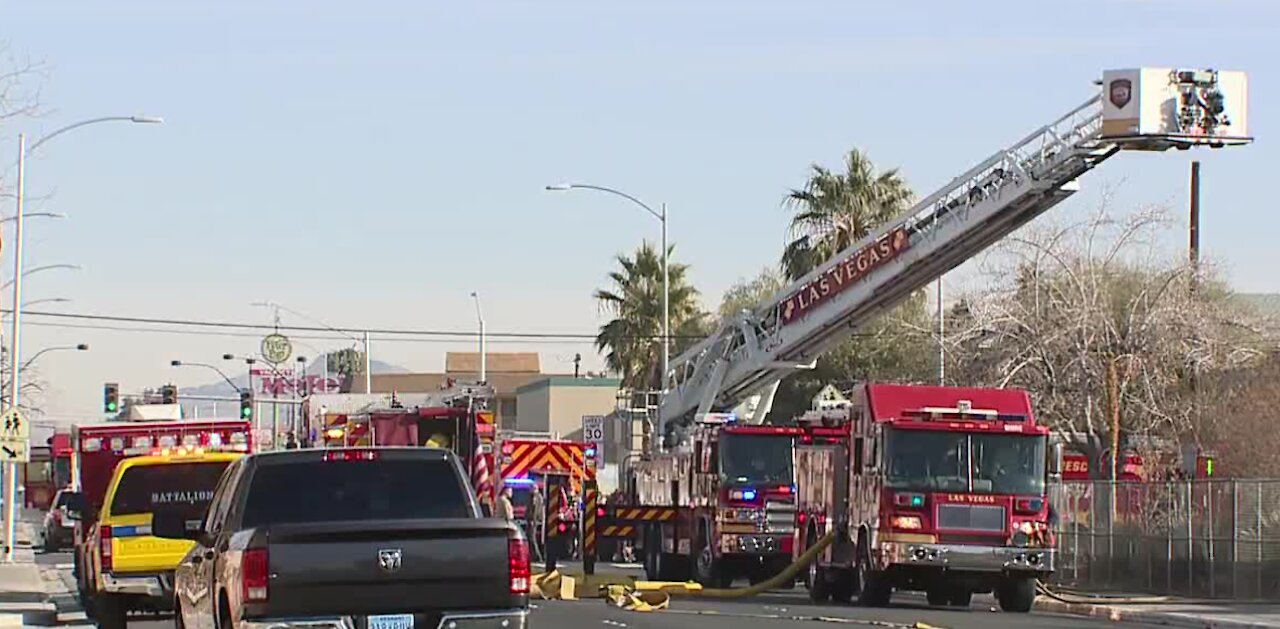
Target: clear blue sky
372,163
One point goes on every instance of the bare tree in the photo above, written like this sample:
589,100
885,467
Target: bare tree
1106,329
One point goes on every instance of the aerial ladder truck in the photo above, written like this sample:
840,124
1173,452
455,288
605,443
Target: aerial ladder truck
1145,109
735,372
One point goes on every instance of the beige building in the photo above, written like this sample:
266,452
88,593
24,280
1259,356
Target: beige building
556,404
506,372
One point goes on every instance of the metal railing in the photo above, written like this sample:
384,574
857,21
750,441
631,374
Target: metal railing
1197,538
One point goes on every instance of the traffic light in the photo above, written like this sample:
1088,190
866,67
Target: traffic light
111,398
246,405
169,394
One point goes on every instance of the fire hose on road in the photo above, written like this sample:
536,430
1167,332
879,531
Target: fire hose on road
633,595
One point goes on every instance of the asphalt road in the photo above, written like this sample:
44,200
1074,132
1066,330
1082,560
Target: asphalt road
761,612
766,612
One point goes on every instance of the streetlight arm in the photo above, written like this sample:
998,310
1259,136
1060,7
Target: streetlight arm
208,366
82,123
47,267
46,350
6,219
585,186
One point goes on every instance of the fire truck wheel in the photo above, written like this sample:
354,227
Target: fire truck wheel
706,569
652,550
960,597
937,596
875,590
843,587
1017,595
819,591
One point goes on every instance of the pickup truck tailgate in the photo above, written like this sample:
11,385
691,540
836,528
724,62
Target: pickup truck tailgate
370,567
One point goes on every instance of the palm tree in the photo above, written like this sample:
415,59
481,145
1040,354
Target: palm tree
632,340
835,210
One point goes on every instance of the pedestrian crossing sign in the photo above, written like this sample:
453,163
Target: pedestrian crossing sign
15,437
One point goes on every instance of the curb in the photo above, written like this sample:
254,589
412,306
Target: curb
1119,614
33,615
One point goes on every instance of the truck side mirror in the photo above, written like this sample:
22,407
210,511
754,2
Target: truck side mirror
74,507
713,459
1055,461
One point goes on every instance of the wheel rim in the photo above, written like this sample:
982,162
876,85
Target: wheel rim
813,573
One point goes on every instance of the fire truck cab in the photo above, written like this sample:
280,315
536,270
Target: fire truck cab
725,506
947,495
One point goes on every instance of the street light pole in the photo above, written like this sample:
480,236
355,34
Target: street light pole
368,366
666,313
480,318
15,352
666,286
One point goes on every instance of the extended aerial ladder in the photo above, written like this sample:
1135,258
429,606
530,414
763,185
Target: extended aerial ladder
1152,109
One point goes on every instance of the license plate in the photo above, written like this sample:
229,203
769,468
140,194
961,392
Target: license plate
391,621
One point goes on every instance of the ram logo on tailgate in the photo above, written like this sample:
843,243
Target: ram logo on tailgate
389,559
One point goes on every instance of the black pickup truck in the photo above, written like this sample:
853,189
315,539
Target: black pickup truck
370,538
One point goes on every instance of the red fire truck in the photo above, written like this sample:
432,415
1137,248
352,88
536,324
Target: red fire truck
946,494
526,461
454,418
98,448
725,508
822,479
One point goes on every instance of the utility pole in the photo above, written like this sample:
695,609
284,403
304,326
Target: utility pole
1194,288
942,330
1195,225
1113,410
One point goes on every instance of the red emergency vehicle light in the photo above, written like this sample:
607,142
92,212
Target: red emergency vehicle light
351,455
764,430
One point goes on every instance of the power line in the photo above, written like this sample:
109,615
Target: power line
302,337
460,335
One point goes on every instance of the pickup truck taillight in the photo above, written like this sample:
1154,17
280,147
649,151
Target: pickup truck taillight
518,565
104,547
254,574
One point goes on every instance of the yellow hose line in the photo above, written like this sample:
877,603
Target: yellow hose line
787,576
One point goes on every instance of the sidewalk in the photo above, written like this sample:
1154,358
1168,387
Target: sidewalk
23,598
1172,612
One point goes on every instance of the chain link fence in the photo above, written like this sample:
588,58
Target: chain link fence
1203,538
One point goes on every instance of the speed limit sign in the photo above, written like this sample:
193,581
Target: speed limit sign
593,433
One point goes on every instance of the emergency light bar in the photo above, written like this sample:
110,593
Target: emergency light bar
964,410
717,418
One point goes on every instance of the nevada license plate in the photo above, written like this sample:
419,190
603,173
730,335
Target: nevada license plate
391,621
